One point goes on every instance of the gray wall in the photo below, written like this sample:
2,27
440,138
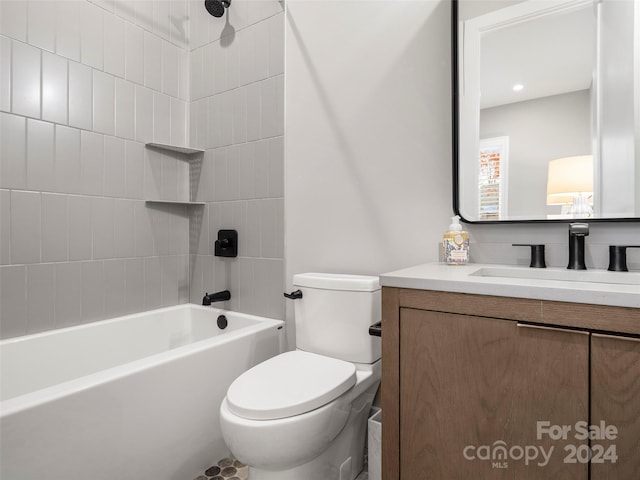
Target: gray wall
539,130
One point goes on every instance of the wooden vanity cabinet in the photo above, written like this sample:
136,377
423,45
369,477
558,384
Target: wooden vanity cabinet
464,375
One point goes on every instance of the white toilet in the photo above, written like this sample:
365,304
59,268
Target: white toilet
302,415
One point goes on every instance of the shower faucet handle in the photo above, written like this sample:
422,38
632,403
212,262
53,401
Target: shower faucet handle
537,254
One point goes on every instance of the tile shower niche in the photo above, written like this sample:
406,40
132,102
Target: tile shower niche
173,170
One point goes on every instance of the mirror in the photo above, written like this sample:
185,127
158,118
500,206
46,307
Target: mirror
546,110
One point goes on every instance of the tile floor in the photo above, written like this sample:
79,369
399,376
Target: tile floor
231,469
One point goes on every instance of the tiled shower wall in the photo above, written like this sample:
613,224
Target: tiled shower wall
237,116
83,86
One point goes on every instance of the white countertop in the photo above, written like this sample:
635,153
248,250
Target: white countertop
461,279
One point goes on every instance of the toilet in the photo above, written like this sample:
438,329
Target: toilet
302,415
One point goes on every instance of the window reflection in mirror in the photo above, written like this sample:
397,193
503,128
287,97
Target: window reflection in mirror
553,80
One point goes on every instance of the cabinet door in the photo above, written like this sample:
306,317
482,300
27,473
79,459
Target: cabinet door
615,400
469,385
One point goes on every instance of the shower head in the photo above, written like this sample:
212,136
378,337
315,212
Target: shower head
216,7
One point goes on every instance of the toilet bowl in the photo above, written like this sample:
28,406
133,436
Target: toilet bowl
302,415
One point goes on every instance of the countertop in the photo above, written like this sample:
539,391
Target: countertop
460,279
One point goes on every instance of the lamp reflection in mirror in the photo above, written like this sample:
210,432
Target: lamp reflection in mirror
570,184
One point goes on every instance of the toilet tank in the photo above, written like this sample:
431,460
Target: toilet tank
334,314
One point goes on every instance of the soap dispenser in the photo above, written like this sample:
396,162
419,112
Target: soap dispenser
455,243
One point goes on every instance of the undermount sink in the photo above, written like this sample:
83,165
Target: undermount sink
564,275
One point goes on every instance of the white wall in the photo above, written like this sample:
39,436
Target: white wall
368,133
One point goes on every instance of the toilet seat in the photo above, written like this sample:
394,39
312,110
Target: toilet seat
289,384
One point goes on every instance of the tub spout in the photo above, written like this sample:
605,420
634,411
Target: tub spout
209,298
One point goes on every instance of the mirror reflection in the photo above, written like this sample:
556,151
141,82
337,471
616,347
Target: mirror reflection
548,109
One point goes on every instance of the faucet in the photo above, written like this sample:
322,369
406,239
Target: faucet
577,232
209,298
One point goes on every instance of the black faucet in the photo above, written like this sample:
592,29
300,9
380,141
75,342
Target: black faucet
209,298
577,232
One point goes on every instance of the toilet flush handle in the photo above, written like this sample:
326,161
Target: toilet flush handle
296,294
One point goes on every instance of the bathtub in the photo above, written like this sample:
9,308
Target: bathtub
131,398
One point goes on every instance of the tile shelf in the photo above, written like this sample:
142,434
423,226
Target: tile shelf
175,148
175,202
181,150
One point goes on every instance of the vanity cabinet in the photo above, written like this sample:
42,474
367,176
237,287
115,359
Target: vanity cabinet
488,387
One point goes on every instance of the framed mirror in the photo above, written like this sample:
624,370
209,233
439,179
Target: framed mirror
546,110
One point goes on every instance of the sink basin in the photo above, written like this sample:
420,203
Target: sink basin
589,276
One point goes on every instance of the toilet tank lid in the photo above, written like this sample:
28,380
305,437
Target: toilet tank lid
337,281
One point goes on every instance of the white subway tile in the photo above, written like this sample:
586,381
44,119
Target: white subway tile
41,25
114,40
25,71
178,122
220,187
80,228
253,112
144,240
114,285
254,233
184,69
124,245
169,266
170,71
161,118
276,44
67,160
214,68
179,23
103,103
144,114
5,227
204,132
152,174
25,227
152,61
268,277
125,109
103,227
183,279
91,35
233,172
196,77
244,47
80,96
152,282
134,170
114,161
68,294
169,176
161,19
269,107
13,150
276,166
224,120
239,115
13,305
55,227
134,284
192,127
125,9
108,5
13,19
5,74
92,306
134,54
55,102
68,29
261,170
245,171
40,298
199,21
272,228
40,156
91,163
231,67
144,14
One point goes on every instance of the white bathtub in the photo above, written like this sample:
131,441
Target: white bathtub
131,398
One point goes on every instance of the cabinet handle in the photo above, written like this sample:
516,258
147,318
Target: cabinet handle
617,337
554,329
